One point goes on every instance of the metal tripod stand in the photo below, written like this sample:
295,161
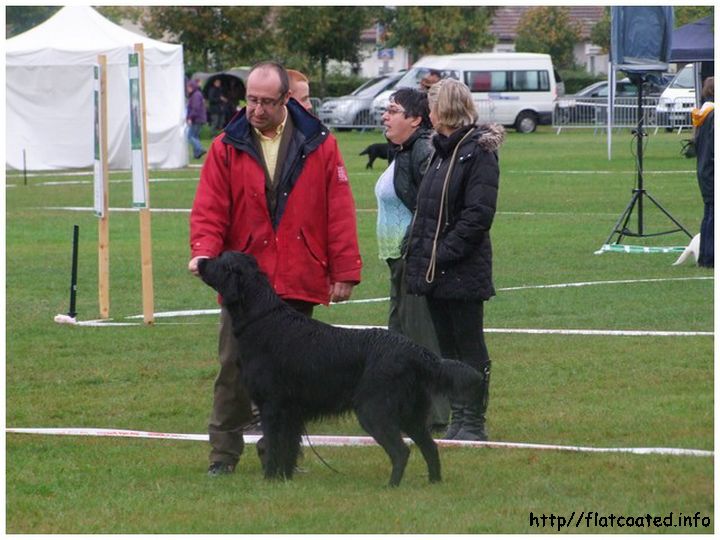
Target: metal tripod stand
639,192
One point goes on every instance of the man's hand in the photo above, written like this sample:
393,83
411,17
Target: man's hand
341,291
193,264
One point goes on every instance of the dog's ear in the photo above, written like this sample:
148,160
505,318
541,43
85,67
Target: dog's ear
240,263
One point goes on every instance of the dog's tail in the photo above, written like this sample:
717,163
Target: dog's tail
366,151
450,377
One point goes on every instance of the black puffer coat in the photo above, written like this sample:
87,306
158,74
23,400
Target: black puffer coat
455,262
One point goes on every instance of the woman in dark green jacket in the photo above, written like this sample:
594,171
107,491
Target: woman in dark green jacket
408,128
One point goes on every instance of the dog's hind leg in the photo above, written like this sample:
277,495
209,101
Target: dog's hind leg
424,441
387,434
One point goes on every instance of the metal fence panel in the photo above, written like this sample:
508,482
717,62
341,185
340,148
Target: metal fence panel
592,112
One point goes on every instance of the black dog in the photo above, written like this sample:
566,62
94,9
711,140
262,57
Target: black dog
298,369
378,150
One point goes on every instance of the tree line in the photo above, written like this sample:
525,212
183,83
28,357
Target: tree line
309,37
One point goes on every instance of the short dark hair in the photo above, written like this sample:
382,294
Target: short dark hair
279,69
708,89
415,103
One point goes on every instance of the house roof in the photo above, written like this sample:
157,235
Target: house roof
506,19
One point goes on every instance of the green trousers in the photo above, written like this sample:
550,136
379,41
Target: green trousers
409,316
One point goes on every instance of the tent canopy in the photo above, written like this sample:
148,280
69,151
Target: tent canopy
693,42
49,94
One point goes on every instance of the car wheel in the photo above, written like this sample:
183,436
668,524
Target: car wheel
526,122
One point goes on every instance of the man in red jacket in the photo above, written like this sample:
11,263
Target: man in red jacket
273,185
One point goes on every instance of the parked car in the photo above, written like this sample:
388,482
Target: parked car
678,99
354,110
589,104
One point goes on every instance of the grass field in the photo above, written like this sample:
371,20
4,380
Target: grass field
559,199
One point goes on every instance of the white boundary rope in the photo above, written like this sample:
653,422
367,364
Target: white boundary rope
335,440
587,332
99,323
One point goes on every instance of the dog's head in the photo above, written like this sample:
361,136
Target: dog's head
229,274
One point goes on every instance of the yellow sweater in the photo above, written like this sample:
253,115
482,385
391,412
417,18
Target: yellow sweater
699,115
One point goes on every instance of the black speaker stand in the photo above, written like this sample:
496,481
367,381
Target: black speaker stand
639,193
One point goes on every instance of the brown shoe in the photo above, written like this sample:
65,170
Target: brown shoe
218,468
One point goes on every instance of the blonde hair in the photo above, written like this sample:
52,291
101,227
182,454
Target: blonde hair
296,76
452,104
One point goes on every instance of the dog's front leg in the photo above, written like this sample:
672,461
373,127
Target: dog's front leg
268,419
282,432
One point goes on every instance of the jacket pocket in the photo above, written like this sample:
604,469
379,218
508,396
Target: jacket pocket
314,251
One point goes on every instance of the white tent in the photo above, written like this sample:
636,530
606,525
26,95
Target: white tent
49,99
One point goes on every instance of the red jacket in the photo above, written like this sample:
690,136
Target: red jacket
312,240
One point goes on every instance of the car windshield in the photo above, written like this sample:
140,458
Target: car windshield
412,78
372,87
684,79
594,89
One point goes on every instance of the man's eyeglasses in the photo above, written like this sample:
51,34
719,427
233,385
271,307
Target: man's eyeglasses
265,103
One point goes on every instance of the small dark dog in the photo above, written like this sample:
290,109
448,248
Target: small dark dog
378,150
298,369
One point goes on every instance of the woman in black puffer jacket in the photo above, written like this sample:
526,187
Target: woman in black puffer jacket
449,255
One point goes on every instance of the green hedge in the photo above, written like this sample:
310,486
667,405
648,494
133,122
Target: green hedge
336,86
577,80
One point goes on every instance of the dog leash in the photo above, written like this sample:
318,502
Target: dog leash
430,274
307,438
255,420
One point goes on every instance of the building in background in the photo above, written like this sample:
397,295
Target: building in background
587,54
378,61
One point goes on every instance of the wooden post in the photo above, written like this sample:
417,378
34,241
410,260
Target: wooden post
145,229
103,225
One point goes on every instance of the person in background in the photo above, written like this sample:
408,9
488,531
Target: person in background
408,128
300,88
216,105
449,255
196,116
428,80
704,121
274,186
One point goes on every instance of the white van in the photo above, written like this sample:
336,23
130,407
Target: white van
678,99
513,89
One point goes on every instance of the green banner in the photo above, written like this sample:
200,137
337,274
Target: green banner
619,248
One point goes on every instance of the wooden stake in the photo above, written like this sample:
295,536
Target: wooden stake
103,225
145,233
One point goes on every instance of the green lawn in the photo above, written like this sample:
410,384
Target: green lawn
559,199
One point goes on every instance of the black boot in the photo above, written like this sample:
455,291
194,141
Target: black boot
473,419
456,419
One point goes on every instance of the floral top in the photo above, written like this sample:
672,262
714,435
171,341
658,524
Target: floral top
393,216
